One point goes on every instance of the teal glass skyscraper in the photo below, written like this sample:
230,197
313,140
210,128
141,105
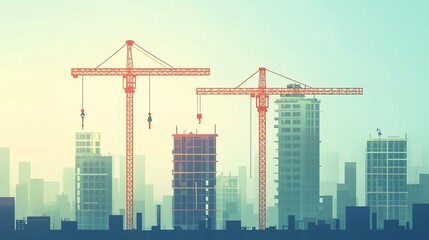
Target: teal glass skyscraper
386,178
93,183
298,157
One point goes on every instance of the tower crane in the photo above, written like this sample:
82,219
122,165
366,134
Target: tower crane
128,75
262,93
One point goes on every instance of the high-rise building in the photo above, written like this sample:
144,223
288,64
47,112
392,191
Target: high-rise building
4,172
346,192
228,200
386,178
93,183
194,180
36,197
298,157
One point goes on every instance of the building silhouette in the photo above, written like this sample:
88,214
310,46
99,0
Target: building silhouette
386,178
346,192
93,183
4,172
357,219
298,157
194,181
228,200
7,215
68,189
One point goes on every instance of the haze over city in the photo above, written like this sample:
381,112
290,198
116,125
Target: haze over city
379,46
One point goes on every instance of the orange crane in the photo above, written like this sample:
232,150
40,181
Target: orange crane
261,93
129,74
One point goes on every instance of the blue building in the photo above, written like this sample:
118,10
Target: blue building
194,180
386,178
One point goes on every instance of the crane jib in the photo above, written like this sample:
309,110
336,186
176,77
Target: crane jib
75,72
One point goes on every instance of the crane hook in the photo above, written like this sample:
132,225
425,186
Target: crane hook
82,115
199,116
149,119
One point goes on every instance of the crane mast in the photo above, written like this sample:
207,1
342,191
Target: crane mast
130,86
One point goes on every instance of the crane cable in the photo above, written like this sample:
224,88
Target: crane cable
111,56
82,110
160,62
199,114
153,55
149,118
250,141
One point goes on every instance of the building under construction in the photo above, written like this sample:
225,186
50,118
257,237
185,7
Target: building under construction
194,181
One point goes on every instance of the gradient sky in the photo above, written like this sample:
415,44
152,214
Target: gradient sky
381,46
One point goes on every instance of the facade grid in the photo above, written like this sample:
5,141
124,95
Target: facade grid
298,149
93,183
194,180
386,178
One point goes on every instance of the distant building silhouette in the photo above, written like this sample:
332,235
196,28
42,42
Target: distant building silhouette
68,189
141,199
298,156
194,180
93,183
23,190
386,178
7,214
37,197
4,172
228,200
167,212
346,192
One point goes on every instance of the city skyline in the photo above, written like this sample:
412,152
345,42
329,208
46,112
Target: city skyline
335,47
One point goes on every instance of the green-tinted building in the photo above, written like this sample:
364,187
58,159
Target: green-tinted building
298,145
93,183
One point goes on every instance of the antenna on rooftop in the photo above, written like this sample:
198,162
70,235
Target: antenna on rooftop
379,133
